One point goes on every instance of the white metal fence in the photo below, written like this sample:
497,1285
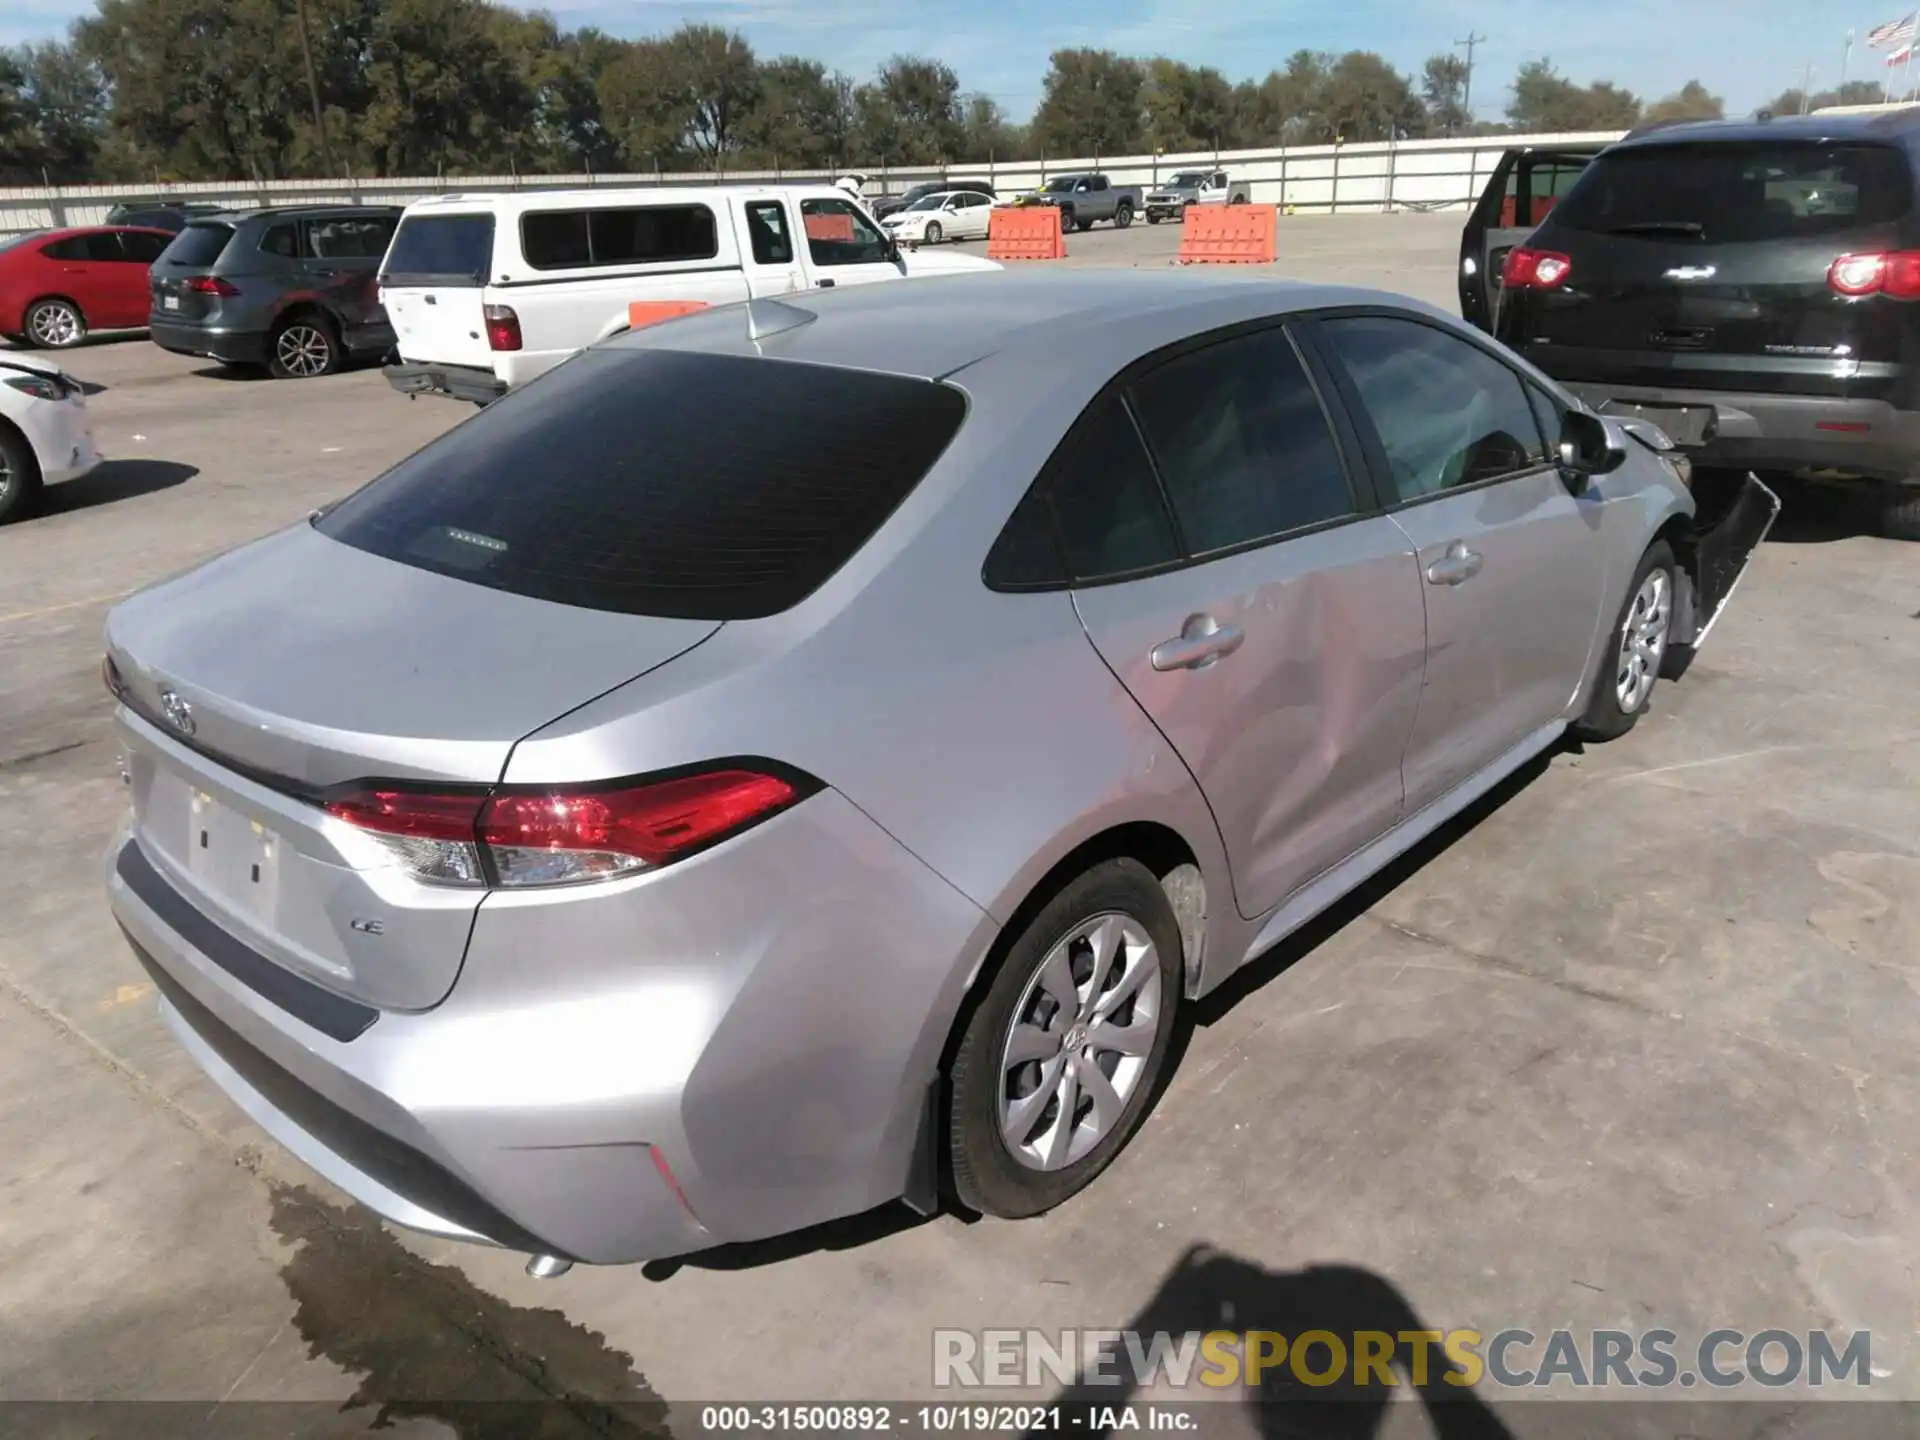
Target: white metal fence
1411,174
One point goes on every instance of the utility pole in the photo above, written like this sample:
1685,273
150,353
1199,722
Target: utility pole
313,88
1468,44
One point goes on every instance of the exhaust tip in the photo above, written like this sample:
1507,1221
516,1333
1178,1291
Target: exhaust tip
547,1267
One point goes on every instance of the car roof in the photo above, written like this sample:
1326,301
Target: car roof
933,327
1882,126
283,212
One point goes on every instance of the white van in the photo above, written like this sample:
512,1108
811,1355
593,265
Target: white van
487,291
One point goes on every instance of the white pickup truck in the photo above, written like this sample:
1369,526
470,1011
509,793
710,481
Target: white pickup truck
487,291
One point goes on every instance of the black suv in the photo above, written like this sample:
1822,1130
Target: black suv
172,215
1751,287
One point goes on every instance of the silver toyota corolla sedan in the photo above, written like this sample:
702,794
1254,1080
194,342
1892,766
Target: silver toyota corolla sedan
808,754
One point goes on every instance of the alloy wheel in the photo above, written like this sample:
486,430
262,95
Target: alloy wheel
54,326
303,350
1643,641
1079,1043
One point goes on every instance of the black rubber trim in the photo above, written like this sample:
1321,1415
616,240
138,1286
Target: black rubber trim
369,1149
332,1015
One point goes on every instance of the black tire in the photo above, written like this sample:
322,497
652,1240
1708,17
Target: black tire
1153,217
1606,717
54,324
1122,215
1066,218
1083,225
304,347
933,233
986,1175
1900,512
19,476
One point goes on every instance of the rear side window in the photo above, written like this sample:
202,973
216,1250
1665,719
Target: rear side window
349,237
628,235
767,227
143,246
1242,443
440,250
74,247
1106,502
199,245
282,240
1731,194
594,489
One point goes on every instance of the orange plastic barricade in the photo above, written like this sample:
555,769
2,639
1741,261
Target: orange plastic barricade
830,227
1228,235
652,312
1030,232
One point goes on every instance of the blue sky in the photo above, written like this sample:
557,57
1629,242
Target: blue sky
1744,50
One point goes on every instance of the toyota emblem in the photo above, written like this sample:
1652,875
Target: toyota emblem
178,712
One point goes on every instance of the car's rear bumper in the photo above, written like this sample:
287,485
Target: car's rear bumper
621,1073
230,347
1775,432
456,382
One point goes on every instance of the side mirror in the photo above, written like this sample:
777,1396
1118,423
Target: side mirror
1586,448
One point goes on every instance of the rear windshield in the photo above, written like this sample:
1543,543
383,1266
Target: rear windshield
440,250
1737,193
650,482
198,245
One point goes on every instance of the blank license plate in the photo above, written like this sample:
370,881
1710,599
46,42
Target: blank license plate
232,857
170,302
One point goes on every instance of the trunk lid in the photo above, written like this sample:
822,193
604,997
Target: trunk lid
431,283
1705,266
297,664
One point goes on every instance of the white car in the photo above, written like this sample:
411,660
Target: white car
44,432
949,215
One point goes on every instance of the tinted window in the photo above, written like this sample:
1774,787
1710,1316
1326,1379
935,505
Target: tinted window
1025,557
143,247
199,245
74,247
768,230
839,233
1737,193
440,250
1242,443
629,235
349,237
282,240
1551,414
592,489
1448,414
1105,499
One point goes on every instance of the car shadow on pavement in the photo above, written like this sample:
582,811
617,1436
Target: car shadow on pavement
1813,514
1209,1291
113,480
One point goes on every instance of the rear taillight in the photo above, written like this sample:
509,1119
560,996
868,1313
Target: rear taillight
1895,273
1535,269
503,328
564,837
211,285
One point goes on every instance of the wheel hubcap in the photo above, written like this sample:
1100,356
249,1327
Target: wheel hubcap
302,350
55,325
1643,641
1081,1036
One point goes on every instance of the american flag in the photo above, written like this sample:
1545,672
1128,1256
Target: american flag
1894,32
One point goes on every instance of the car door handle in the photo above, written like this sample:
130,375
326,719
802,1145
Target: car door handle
1456,567
1201,641
826,284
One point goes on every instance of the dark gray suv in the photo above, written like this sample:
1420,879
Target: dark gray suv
293,289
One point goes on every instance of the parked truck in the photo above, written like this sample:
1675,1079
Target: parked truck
1194,187
1083,199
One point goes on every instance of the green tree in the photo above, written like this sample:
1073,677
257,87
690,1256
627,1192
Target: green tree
911,113
721,81
1545,101
987,134
1184,108
1443,87
1365,98
1853,92
802,119
646,105
52,111
1090,104
1692,101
